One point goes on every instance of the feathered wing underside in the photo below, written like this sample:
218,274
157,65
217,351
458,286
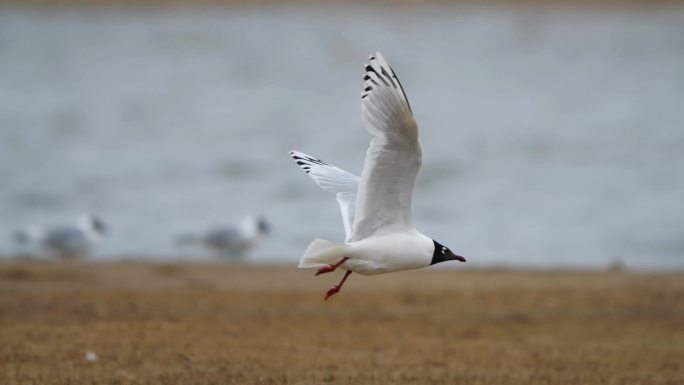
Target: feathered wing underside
383,202
332,179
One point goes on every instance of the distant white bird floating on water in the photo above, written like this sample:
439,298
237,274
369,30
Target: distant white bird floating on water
65,241
232,242
376,208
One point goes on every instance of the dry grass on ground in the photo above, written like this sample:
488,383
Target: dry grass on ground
222,324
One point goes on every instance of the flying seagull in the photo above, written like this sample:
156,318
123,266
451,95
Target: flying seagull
68,240
376,207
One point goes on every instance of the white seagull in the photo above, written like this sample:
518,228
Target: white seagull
376,208
65,241
234,241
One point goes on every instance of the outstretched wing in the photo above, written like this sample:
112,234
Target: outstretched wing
332,179
383,203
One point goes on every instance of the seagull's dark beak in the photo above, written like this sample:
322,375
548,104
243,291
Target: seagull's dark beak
453,257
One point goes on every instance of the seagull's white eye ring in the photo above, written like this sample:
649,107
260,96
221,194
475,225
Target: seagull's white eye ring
444,249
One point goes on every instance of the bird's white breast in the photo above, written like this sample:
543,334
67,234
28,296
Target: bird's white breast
388,253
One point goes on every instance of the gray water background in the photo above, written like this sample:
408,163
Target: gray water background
551,138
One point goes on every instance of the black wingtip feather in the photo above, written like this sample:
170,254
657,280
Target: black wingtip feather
385,77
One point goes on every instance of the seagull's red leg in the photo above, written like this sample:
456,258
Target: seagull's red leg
335,289
328,269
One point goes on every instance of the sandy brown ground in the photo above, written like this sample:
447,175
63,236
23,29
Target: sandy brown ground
223,324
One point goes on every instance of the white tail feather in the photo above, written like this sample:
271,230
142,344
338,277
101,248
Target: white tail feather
321,253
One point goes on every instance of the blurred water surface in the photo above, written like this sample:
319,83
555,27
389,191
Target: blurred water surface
550,138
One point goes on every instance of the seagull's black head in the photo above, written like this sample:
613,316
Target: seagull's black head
442,254
263,226
99,226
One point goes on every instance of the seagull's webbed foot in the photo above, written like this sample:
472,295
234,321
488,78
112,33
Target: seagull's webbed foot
333,267
336,289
